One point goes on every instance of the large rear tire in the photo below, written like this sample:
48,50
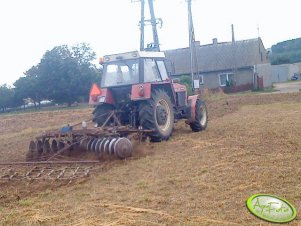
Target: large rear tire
157,114
201,117
101,113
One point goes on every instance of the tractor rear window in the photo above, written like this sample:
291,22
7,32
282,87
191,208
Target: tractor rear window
120,73
162,70
151,73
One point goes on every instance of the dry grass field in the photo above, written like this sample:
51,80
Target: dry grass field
252,145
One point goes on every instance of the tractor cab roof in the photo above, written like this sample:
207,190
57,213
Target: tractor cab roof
132,55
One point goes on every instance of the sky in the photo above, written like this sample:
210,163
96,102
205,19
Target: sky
31,27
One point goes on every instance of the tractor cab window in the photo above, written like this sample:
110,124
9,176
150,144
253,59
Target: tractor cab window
151,73
162,70
120,73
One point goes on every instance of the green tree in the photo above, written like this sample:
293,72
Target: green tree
6,97
67,73
286,52
30,87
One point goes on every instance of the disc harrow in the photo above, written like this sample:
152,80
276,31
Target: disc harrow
99,141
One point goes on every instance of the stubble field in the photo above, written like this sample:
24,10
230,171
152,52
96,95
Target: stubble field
252,145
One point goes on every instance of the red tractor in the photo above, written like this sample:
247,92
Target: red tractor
136,87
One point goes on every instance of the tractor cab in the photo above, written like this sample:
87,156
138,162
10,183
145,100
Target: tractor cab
133,68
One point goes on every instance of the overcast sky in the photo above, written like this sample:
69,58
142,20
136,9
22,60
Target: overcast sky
31,27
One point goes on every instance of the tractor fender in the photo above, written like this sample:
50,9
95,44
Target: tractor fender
144,91
98,96
191,108
141,91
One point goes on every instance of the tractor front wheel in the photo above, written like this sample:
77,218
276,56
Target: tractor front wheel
201,117
157,114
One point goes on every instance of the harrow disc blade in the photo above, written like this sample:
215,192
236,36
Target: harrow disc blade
46,147
93,144
32,149
61,145
54,146
106,146
32,146
123,148
101,147
97,146
40,147
83,143
111,146
89,144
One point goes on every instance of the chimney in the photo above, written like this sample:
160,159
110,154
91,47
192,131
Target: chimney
214,41
232,29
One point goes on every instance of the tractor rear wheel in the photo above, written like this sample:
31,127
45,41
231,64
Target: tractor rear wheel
157,114
201,117
101,113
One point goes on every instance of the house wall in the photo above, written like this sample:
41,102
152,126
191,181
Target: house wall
242,77
279,73
211,80
292,69
284,72
265,71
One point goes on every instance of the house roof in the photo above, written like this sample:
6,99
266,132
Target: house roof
219,56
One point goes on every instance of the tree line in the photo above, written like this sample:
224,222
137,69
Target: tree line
286,52
64,75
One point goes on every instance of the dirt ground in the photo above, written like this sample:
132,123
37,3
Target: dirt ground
288,87
252,145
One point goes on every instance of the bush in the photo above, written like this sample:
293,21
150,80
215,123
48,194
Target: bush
186,80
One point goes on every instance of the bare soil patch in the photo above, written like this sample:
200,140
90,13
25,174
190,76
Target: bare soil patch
252,145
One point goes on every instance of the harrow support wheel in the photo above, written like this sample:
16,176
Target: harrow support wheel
157,114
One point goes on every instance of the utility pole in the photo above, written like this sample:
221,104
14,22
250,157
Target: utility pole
142,26
193,60
153,21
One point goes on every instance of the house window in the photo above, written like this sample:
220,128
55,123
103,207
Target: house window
226,79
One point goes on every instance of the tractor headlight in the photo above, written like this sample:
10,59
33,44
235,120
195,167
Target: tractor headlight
101,99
